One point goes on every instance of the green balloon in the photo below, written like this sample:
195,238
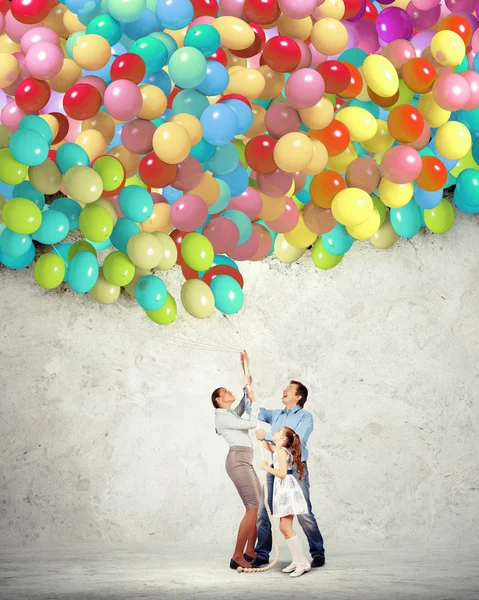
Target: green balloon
22,216
111,172
441,218
95,223
81,246
322,259
118,269
49,271
164,315
381,208
197,251
11,171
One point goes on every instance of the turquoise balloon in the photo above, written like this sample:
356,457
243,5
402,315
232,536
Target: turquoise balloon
153,52
203,150
136,203
337,241
71,41
26,190
223,199
204,38
62,250
14,244
29,147
122,232
228,294
106,27
100,245
83,272
151,292
126,12
273,234
187,67
369,106
18,263
355,56
169,41
304,196
69,208
35,123
191,102
71,155
220,260
406,221
54,228
224,160
242,222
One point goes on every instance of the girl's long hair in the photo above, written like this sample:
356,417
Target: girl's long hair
294,444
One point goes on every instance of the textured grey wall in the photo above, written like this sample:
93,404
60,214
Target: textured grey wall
106,431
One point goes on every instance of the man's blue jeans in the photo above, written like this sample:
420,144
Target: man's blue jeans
307,522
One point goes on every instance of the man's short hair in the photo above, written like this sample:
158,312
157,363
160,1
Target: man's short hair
302,391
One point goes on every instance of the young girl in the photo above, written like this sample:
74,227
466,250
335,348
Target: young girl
288,498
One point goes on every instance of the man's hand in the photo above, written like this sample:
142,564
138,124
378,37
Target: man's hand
260,435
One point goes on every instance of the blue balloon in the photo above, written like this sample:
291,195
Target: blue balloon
337,241
69,208
35,123
106,27
174,14
166,116
151,292
406,221
136,203
243,113
161,79
7,191
54,228
237,180
116,141
223,199
171,194
242,222
216,79
224,160
71,155
191,102
82,7
228,294
475,150
18,263
122,232
219,124
100,245
304,196
475,63
203,150
141,27
14,244
29,147
104,72
425,199
62,251
26,190
83,272
168,40
85,19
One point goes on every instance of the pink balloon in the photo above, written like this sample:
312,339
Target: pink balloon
203,20
158,198
116,203
95,81
247,250
265,242
277,183
11,116
423,140
426,4
44,60
188,175
16,30
189,212
223,234
123,100
316,57
297,9
231,8
36,35
288,220
472,79
401,164
254,62
137,136
306,56
475,41
304,88
368,37
74,130
248,202
451,91
3,100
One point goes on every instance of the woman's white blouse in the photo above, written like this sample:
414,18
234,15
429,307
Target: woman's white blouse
233,427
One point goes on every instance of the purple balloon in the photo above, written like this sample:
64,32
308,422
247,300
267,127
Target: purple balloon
394,24
423,19
473,22
456,5
359,14
421,41
367,36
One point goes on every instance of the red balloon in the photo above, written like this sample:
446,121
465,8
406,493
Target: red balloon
128,66
219,56
156,173
30,11
82,101
355,83
174,92
433,175
5,6
336,76
352,8
252,50
223,270
52,155
205,8
259,154
282,54
189,273
263,12
259,30
335,137
371,12
63,127
32,94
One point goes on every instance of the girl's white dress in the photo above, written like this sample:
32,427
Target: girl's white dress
288,497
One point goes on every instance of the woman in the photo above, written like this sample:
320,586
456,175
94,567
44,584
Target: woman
239,463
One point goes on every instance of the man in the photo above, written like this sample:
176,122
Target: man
300,421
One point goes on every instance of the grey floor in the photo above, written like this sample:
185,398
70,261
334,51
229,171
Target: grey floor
184,573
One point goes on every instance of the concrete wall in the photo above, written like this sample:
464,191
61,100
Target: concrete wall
106,430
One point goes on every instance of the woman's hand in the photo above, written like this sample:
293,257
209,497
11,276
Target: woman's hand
250,395
264,465
247,381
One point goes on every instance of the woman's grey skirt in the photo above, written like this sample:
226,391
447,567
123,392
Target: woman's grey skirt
239,466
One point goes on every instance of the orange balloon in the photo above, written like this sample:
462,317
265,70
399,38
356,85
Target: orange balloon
103,123
272,207
324,187
208,189
129,160
160,219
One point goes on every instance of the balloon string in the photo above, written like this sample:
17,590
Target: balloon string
228,334
218,343
55,248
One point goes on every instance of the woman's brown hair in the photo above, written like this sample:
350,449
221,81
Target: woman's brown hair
214,399
294,444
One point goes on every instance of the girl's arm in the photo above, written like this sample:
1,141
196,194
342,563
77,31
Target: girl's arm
282,469
269,447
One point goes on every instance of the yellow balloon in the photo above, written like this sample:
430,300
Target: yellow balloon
208,189
144,250
298,29
197,298
170,252
92,142
352,207
395,195
247,82
108,205
318,116
271,207
9,70
432,113
453,140
52,123
46,178
139,273
381,141
300,236
342,161
171,143
380,75
159,220
104,292
235,33
83,184
330,8
360,122
258,127
286,253
274,83
367,229
293,152
54,20
91,52
447,47
103,123
69,74
329,36
7,45
363,94
191,124
154,102
319,161
385,236
72,22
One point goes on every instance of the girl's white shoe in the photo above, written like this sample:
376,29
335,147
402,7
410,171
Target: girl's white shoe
301,570
290,568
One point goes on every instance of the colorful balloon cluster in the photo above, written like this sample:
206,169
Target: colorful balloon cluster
203,133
